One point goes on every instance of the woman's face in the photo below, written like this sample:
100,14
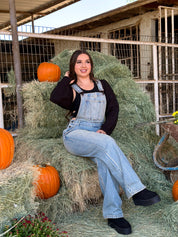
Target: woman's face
83,66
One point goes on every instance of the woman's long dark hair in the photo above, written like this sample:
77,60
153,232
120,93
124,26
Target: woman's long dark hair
73,61
72,73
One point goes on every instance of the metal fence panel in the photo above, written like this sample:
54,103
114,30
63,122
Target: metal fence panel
142,57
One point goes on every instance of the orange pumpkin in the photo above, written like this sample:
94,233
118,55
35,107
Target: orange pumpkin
6,148
175,191
48,72
48,182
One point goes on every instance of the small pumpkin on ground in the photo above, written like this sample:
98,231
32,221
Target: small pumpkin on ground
175,191
48,183
48,72
7,148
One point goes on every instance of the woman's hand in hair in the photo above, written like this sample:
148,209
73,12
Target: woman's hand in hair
101,131
67,74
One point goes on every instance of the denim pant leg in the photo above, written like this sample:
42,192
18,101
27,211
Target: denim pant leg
110,188
103,147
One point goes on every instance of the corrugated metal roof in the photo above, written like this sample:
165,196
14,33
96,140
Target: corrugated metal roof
25,9
125,12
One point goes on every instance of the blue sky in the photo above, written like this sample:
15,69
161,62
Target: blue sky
79,11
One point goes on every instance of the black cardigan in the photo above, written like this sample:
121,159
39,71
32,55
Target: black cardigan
62,95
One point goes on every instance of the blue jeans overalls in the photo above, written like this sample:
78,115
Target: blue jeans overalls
80,138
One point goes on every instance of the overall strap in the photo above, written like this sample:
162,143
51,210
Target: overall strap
80,91
77,88
99,85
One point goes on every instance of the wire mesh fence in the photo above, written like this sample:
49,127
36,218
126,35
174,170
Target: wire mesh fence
32,53
124,45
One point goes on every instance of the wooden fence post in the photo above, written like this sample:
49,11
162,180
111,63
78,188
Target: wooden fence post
16,59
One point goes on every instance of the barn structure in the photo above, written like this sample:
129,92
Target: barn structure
143,35
142,21
15,57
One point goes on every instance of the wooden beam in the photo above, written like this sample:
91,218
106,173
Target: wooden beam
16,59
25,13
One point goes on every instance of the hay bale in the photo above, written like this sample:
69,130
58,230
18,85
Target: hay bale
78,175
10,90
43,119
17,197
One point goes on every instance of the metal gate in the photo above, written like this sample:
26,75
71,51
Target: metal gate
167,60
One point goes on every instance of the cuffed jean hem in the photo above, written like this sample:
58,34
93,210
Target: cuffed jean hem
136,191
113,216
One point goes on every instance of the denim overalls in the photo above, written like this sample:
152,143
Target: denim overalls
80,138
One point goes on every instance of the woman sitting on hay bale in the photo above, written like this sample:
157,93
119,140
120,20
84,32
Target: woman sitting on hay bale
94,113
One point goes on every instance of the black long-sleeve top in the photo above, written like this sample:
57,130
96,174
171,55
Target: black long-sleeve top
62,95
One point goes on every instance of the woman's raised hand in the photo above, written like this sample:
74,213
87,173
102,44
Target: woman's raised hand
67,74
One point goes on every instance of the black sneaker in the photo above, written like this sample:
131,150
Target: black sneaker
120,225
145,198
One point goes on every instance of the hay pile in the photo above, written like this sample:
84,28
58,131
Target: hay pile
16,192
40,142
43,119
78,176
